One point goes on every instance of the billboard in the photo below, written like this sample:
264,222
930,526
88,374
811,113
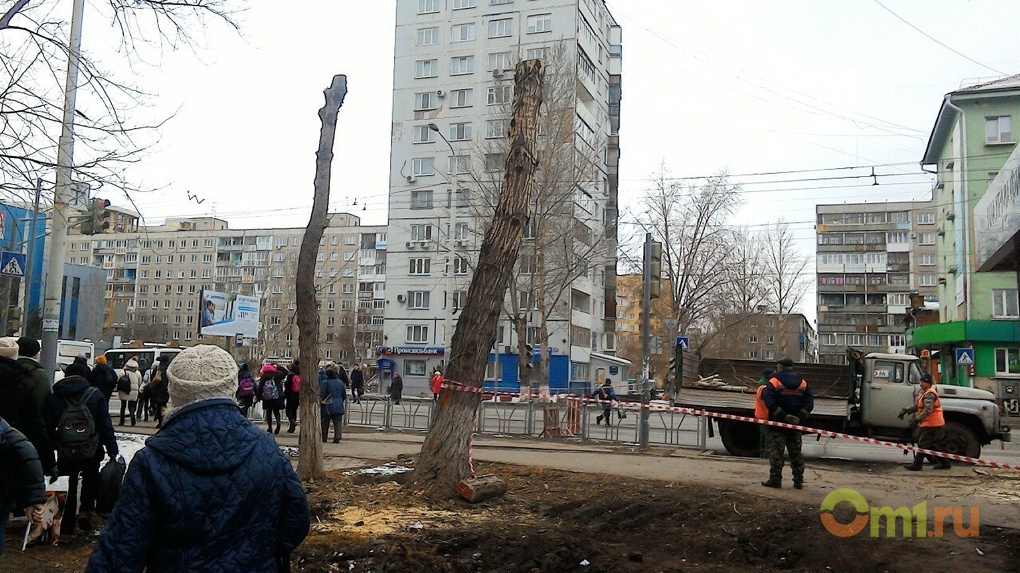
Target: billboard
228,314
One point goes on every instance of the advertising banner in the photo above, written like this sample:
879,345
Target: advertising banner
228,314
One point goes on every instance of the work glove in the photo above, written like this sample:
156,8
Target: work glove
904,412
791,419
778,414
803,415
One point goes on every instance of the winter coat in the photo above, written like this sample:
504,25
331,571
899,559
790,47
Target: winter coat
40,381
159,392
72,389
357,379
21,473
136,384
104,377
436,382
19,406
279,402
334,389
396,386
785,395
341,373
208,492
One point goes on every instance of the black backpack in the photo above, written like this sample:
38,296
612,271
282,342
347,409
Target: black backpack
124,384
76,432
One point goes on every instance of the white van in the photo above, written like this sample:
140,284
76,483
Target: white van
146,356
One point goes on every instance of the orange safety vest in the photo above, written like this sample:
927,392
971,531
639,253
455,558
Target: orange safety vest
761,411
778,385
935,419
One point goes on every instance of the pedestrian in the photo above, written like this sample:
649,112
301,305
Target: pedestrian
104,377
761,412
159,395
19,403
926,416
209,491
357,383
396,387
144,403
332,399
83,363
341,373
437,384
606,396
292,394
127,390
78,418
271,396
28,357
246,386
789,400
21,478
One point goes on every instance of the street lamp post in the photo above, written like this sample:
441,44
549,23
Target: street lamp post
451,283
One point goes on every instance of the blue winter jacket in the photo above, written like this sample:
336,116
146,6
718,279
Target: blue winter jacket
788,397
209,492
333,387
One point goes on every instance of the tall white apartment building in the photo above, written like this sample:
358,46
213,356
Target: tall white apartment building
452,91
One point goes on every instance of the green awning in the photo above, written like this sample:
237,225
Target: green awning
961,331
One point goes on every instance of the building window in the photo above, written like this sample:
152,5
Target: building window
421,232
418,334
770,339
460,98
926,238
926,259
460,164
928,280
926,218
426,69
460,131
463,32
894,237
424,101
539,23
421,199
897,340
498,2
752,354
428,36
495,128
459,297
418,300
502,28
420,266
536,54
460,266
460,65
1007,361
422,166
414,367
428,6
422,134
500,61
461,4
829,339
500,94
769,355
1004,303
493,162
998,129
753,339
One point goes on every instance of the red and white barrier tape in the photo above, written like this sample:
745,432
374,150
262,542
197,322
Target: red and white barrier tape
734,417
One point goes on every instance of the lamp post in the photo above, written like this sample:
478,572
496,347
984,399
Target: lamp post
451,283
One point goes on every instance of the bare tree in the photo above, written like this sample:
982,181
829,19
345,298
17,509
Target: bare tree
784,267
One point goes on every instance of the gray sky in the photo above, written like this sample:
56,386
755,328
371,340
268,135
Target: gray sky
804,87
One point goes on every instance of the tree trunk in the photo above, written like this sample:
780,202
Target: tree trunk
444,458
309,438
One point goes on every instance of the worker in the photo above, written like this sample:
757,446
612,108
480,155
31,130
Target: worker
926,414
789,400
761,412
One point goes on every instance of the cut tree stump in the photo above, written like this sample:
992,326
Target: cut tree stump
481,488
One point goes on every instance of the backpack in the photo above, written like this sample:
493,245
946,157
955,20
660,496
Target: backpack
246,387
270,391
294,383
124,384
76,431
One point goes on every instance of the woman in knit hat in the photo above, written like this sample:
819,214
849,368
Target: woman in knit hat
206,467
129,398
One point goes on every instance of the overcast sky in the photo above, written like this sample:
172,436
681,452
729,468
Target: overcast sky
804,88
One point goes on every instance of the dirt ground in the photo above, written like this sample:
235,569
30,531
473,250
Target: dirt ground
557,521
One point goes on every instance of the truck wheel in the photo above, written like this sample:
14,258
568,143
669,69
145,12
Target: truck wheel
960,440
740,438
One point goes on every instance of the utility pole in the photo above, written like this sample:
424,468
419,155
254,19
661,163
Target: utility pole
61,194
451,280
646,307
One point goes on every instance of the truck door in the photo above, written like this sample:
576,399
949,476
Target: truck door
886,392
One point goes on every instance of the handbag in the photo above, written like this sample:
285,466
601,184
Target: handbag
327,400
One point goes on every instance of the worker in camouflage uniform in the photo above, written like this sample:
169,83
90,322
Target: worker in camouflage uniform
789,400
926,414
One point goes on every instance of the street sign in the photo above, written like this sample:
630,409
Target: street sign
965,356
12,264
683,342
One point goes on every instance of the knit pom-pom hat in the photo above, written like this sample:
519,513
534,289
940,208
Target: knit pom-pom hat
201,372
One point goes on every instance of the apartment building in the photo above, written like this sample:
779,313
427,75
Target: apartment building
452,91
764,336
870,257
155,276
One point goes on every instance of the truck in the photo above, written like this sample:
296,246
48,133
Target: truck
861,399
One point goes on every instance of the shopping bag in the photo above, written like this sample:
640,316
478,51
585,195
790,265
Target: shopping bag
110,479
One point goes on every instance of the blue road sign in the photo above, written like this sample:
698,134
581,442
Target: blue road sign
965,356
12,264
683,342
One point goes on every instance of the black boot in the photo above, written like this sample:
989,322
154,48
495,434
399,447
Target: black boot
918,462
940,463
290,430
598,420
774,483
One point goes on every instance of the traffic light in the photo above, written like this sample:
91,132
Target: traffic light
97,219
13,320
529,356
655,268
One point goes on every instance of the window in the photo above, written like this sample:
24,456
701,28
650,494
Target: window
428,36
500,61
752,339
426,69
419,334
493,162
460,65
418,300
421,232
460,131
498,2
422,134
499,94
460,98
424,101
461,4
926,238
495,128
428,6
1007,361
528,264
414,367
896,237
536,54
460,266
421,199
899,217
463,32
420,266
527,301
502,28
1004,303
539,23
927,218
460,164
998,129
459,297
897,340
422,166
926,259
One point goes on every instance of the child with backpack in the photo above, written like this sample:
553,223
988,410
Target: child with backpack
246,386
271,393
292,393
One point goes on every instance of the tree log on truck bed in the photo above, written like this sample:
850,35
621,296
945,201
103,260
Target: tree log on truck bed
826,380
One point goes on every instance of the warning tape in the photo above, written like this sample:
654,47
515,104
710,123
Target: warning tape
697,412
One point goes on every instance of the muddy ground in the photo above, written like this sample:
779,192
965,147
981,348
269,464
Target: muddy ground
553,521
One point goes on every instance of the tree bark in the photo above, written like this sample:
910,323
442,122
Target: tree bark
444,460
309,438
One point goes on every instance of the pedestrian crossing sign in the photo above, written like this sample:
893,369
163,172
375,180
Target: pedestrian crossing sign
12,264
965,356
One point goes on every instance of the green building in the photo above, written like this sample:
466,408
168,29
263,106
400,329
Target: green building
974,139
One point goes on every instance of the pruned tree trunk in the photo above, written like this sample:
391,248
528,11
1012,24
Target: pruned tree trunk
309,444
444,455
